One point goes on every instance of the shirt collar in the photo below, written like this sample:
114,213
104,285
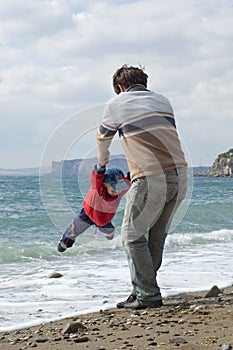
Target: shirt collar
137,87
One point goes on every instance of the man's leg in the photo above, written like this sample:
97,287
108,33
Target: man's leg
176,190
144,203
158,233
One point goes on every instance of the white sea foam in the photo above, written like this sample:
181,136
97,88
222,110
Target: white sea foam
192,238
93,281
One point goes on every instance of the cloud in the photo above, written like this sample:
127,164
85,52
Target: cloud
57,57
26,21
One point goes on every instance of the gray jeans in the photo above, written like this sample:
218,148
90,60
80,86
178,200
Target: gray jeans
151,203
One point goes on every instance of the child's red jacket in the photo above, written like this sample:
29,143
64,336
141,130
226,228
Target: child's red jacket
98,204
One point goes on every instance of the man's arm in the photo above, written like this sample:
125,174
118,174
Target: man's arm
103,144
104,136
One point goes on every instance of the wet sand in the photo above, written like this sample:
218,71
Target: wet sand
189,321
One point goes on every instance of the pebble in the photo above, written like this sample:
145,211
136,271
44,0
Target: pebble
41,340
37,331
213,292
74,327
77,338
153,343
136,313
181,321
178,341
163,332
55,275
226,347
200,308
13,342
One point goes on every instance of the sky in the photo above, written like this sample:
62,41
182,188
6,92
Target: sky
57,58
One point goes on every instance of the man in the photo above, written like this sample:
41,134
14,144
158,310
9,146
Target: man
146,125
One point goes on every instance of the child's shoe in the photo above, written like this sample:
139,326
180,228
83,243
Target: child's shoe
61,247
109,236
65,243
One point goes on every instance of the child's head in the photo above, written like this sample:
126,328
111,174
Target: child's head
114,181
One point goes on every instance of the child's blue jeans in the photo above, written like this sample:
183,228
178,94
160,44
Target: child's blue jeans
80,224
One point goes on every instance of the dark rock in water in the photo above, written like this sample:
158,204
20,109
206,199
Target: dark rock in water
213,292
226,347
74,327
55,275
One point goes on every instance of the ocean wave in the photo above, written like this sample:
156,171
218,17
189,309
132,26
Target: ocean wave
92,245
27,253
204,238
48,250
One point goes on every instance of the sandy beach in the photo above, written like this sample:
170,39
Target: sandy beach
189,321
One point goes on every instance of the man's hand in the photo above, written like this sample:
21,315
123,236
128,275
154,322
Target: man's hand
100,169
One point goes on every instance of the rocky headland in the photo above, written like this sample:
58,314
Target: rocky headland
223,165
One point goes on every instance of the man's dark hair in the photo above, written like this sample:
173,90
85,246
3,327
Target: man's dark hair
128,76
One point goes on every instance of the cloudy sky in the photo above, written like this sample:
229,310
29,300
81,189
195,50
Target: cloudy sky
57,58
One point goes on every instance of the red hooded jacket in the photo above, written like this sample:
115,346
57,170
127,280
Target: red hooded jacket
98,204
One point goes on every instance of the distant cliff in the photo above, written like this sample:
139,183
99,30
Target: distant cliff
82,167
223,165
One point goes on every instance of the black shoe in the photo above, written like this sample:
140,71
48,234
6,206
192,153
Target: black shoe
131,298
137,304
61,247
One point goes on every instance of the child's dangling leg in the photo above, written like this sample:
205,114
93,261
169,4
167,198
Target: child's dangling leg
108,230
68,238
77,226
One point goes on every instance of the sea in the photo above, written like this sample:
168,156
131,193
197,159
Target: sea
95,275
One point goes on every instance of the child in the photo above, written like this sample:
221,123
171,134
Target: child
99,206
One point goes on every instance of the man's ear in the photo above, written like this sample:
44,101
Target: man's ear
122,88
117,89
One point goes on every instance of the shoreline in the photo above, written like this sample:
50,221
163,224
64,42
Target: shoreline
190,321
